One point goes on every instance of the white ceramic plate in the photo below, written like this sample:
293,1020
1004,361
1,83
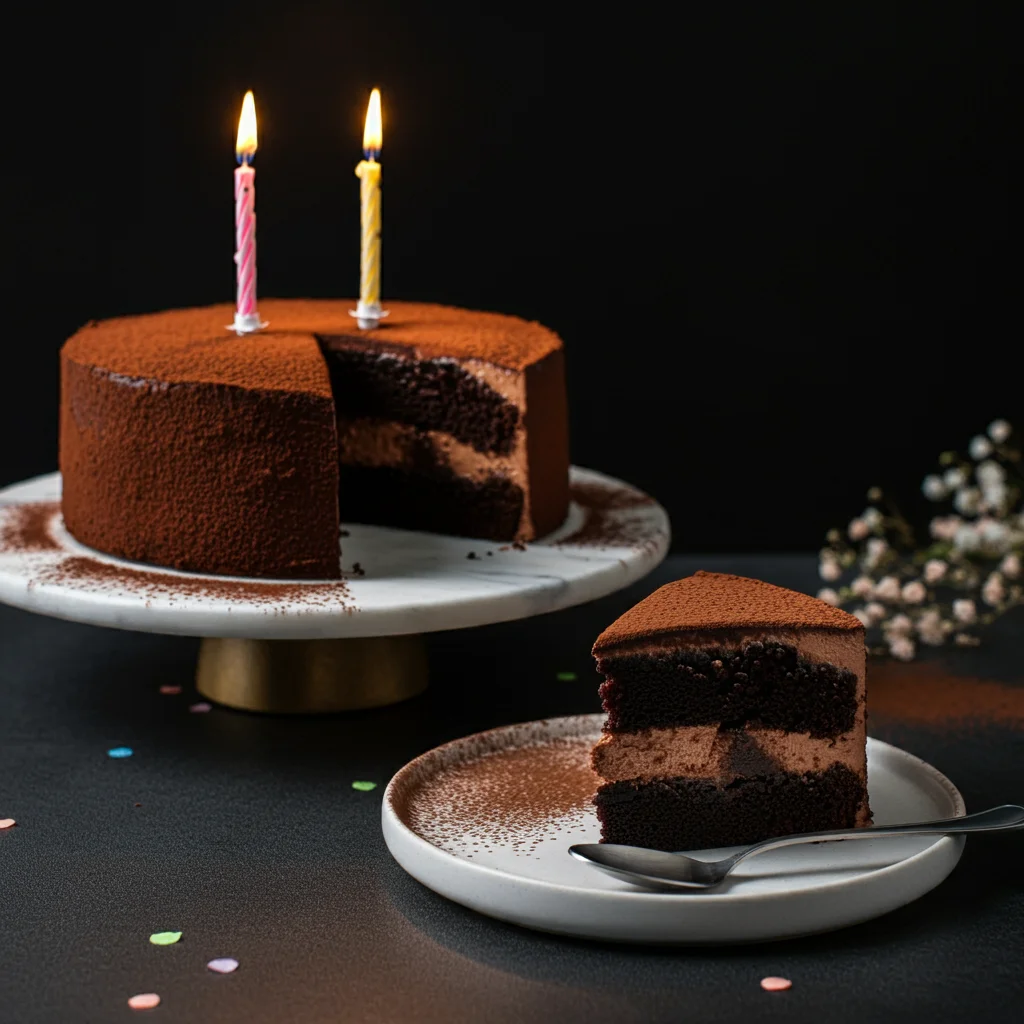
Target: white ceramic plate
407,582
458,830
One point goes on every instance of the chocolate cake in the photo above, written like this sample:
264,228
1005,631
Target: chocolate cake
736,712
185,445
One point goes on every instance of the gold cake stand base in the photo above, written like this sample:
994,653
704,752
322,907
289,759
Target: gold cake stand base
311,676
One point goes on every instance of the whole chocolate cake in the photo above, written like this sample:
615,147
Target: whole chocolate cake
736,712
184,445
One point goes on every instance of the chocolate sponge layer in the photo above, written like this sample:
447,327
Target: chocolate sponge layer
692,814
767,683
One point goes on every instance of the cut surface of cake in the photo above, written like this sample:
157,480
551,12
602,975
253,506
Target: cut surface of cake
187,446
735,712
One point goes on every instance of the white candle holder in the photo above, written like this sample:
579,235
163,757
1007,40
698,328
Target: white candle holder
368,314
248,323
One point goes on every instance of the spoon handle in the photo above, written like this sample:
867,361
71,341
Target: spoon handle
1006,816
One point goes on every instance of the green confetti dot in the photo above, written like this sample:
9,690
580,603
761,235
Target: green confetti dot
164,938
364,787
565,677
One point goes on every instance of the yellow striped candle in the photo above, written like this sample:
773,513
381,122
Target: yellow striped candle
369,311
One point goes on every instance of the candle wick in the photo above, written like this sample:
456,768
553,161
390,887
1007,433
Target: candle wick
371,155
244,158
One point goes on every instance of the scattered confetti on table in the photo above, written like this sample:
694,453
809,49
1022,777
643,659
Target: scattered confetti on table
776,984
565,677
120,752
7,822
364,787
170,691
144,1001
200,708
164,938
223,965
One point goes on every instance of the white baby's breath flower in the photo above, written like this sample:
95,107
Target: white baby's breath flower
994,497
966,640
931,629
1010,566
829,570
863,586
902,647
967,539
964,610
829,596
877,549
993,592
967,500
980,447
872,517
954,478
888,589
994,536
944,527
913,592
858,529
898,625
999,431
989,473
934,570
862,614
933,488
876,611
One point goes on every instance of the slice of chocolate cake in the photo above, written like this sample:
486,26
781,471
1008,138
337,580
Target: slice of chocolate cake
736,712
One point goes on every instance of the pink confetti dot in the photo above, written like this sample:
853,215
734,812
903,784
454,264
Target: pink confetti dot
144,1001
7,822
170,691
776,984
223,965
200,708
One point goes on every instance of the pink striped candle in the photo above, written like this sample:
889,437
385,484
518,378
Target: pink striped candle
247,318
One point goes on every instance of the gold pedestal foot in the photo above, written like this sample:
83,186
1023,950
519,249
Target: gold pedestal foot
310,676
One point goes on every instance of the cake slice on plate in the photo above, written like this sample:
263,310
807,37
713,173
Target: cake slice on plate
736,712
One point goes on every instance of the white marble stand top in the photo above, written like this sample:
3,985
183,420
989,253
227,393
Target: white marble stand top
395,581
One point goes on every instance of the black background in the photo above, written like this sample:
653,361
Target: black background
776,239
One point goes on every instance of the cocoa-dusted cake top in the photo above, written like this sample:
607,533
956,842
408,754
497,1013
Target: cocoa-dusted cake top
195,346
714,600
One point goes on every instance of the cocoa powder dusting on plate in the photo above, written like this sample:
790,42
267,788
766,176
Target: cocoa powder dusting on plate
25,529
602,527
152,583
511,798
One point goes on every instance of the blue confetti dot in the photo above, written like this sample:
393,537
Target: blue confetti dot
120,752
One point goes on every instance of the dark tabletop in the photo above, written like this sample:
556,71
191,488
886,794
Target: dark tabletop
252,842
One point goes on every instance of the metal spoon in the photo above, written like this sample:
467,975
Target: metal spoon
654,869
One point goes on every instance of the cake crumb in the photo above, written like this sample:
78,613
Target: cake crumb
170,691
201,708
7,822
518,546
471,555
358,570
774,984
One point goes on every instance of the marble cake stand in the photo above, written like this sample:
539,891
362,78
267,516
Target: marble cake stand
331,646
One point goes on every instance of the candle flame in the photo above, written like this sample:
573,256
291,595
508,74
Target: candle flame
245,146
373,133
